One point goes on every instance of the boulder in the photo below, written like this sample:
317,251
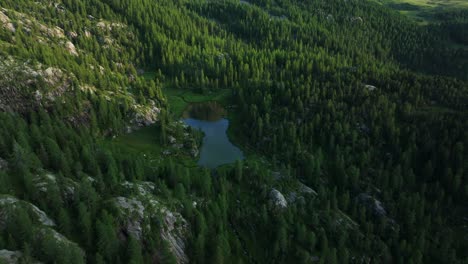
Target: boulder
194,152
4,18
138,210
306,189
6,23
357,19
145,115
370,87
3,164
172,139
46,181
70,47
10,257
10,202
374,205
72,34
277,199
134,212
276,175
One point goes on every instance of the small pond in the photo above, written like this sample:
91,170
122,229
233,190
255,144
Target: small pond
216,149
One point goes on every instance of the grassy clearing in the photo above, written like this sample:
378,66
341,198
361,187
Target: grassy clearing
179,99
422,11
145,142
431,4
148,75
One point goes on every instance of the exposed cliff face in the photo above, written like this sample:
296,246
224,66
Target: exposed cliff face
3,164
140,209
174,232
9,204
145,115
24,86
10,257
42,226
6,22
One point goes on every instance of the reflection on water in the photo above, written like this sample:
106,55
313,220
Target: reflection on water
208,111
216,148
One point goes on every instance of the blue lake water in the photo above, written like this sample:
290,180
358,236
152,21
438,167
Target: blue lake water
216,148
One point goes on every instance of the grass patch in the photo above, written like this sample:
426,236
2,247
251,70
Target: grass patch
148,76
179,99
424,11
146,142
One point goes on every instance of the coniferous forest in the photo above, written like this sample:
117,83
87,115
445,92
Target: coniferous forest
351,116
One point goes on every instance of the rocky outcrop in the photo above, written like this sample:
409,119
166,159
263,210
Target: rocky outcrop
137,210
277,199
374,205
343,221
357,19
134,212
3,164
8,205
70,47
145,115
24,86
56,78
173,233
46,181
306,189
10,257
369,87
6,23
52,32
72,34
300,194
194,152
106,25
29,23
87,34
142,188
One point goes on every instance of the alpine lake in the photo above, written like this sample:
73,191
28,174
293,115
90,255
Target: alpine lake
210,118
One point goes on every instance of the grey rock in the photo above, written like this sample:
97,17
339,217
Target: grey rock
70,47
306,189
13,202
278,200
137,210
10,257
3,164
371,203
370,87
134,211
173,233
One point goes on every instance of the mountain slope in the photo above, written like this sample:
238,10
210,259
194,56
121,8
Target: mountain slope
352,118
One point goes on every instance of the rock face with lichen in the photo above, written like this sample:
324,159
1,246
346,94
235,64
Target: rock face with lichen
9,205
41,225
277,199
70,47
24,86
137,211
10,257
6,22
173,233
374,205
3,164
145,115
